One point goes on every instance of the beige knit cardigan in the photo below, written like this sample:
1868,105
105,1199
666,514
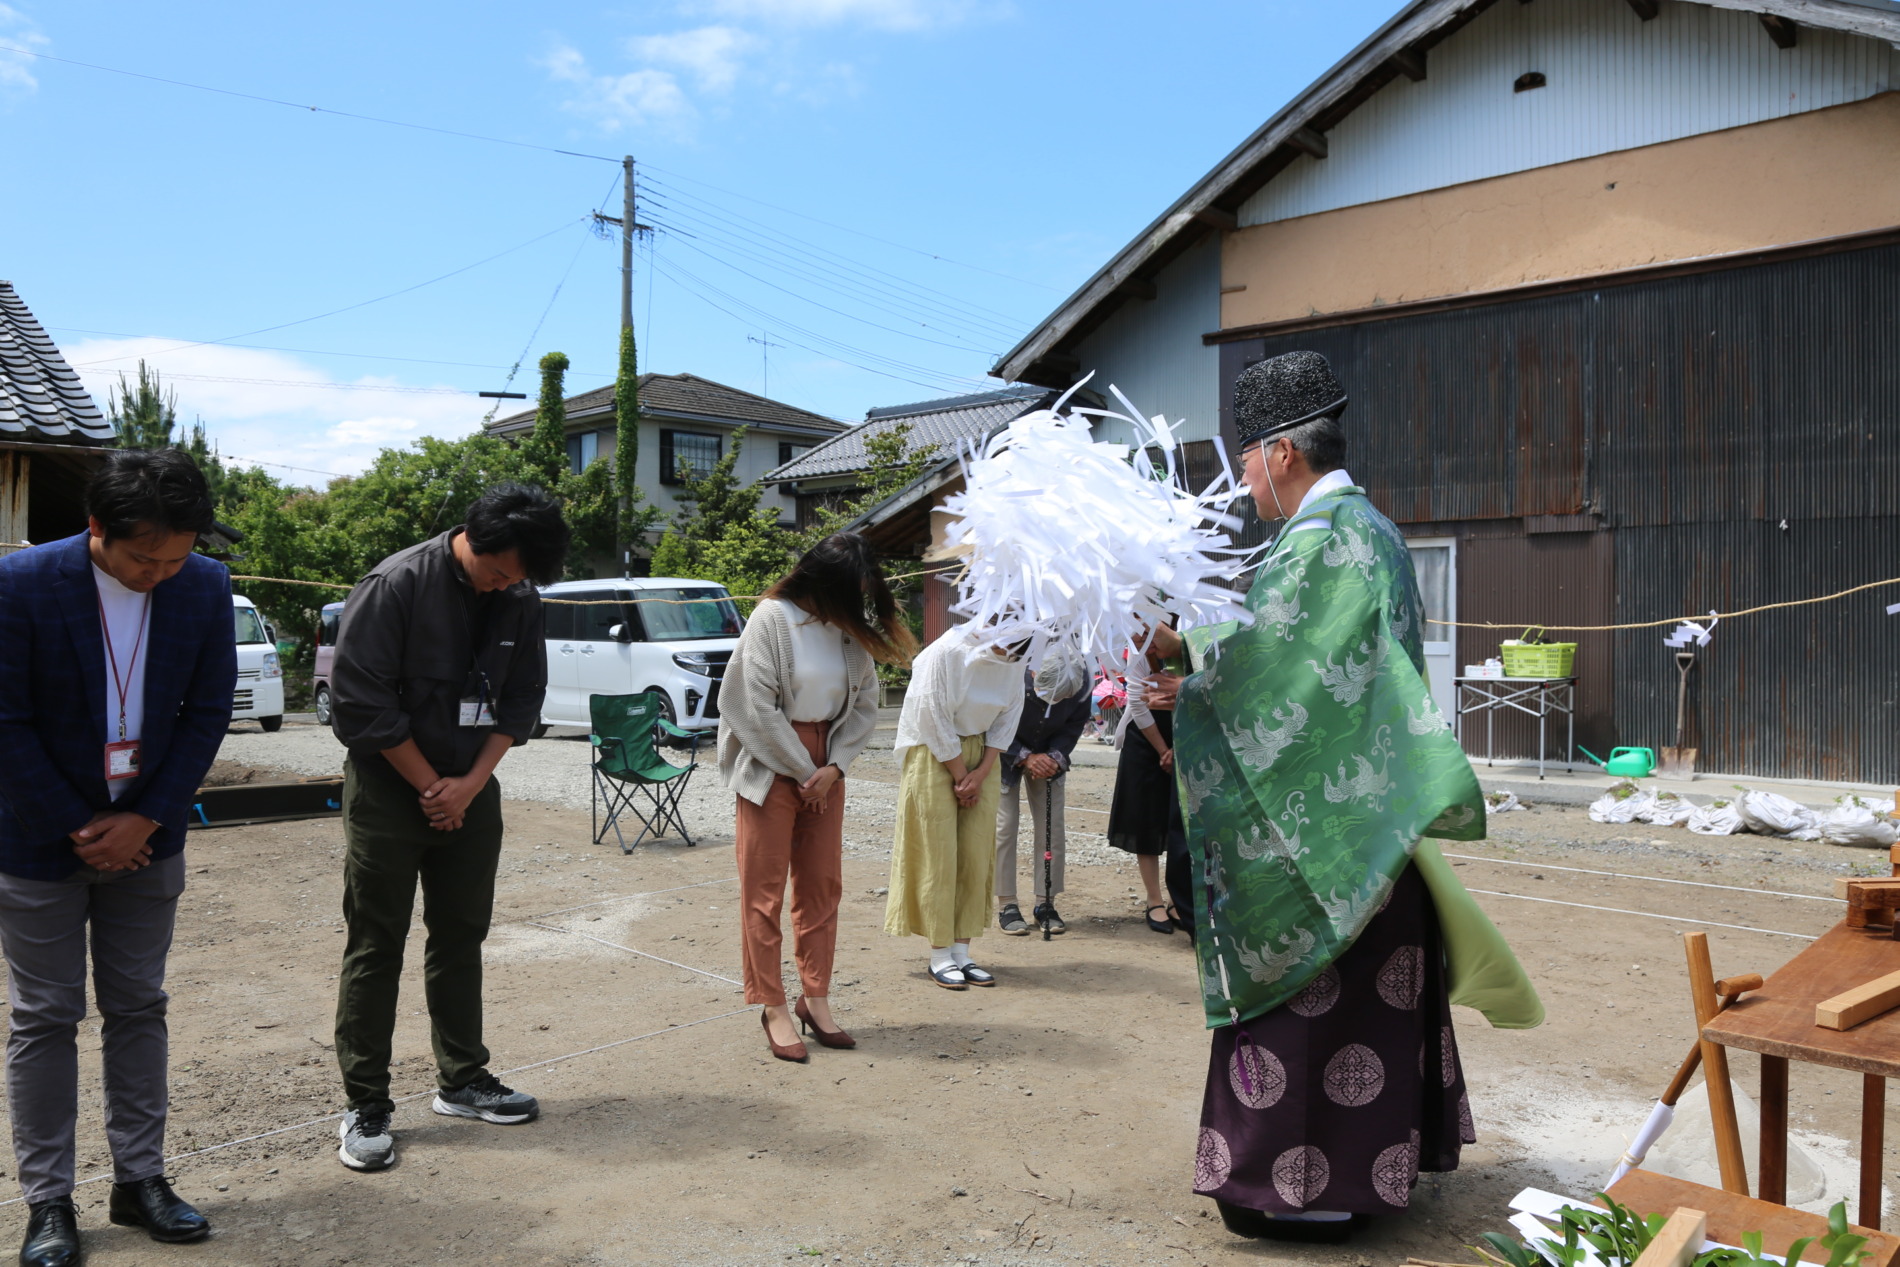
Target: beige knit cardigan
756,739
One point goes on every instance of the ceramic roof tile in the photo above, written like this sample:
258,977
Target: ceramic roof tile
693,396
40,396
936,427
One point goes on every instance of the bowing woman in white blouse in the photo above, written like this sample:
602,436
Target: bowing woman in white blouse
798,703
961,710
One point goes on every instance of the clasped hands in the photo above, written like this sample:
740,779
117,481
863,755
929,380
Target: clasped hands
115,841
815,792
1040,765
445,801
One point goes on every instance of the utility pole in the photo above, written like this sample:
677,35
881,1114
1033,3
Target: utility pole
626,382
765,363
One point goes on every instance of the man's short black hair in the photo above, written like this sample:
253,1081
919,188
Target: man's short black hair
522,518
141,491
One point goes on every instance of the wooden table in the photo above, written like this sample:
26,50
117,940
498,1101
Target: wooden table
1778,1022
1730,1216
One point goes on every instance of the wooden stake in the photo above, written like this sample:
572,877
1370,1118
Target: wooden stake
1862,1003
1679,1241
1728,1131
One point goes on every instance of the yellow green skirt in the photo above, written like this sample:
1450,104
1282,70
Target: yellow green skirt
943,861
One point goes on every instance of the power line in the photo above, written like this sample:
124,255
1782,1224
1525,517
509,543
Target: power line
348,308
295,105
859,232
364,356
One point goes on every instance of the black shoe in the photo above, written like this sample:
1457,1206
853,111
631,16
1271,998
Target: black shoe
52,1235
152,1205
1162,925
1046,917
1259,1225
1010,920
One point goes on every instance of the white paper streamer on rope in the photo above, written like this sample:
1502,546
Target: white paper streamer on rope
1692,631
1071,543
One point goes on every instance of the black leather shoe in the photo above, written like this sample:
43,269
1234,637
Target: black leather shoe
152,1205
52,1235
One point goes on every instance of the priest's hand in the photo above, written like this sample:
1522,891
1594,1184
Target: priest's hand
1162,690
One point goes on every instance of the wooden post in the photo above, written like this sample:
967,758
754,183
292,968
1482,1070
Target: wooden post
1873,1146
1774,1130
16,470
1678,1242
1728,1131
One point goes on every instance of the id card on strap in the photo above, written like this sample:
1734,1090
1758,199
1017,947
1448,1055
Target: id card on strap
122,760
475,712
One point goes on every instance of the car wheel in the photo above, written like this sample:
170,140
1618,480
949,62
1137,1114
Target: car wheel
323,706
541,728
663,738
271,725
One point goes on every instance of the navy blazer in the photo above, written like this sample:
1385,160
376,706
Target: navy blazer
53,703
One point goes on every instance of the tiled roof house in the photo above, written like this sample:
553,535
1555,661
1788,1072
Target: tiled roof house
51,432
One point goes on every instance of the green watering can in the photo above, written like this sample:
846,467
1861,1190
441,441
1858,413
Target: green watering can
1625,763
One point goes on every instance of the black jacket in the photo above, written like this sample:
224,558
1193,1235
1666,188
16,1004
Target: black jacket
407,654
1046,729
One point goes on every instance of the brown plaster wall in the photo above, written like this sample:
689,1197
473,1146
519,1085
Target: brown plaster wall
1809,176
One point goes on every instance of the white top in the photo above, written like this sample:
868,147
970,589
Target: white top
1331,482
960,686
127,622
819,678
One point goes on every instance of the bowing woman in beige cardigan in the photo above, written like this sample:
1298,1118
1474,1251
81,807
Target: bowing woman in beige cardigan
798,704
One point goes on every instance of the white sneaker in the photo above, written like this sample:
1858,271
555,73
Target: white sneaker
368,1143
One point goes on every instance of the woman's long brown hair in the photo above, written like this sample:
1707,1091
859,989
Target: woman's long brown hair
838,581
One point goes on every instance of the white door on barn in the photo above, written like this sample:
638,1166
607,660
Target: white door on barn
1435,561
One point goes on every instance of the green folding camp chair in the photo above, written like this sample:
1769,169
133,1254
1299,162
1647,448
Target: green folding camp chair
629,770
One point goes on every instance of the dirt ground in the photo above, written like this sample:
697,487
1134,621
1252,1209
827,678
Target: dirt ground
1050,1119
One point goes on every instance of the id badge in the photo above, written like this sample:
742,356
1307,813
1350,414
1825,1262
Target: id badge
122,760
475,712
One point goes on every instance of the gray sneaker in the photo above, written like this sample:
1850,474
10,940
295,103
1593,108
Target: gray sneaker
367,1141
486,1098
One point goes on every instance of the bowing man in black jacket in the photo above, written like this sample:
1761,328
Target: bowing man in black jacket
1055,708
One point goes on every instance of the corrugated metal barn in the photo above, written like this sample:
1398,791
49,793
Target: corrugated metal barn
1616,289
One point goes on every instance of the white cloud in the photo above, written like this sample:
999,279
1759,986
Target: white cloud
18,30
274,408
713,55
638,98
885,15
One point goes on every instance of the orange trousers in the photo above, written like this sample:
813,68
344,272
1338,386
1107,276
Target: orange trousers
782,837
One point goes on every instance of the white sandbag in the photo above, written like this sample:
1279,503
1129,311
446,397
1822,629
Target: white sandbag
1855,823
1718,819
1771,814
1621,804
1501,802
1666,809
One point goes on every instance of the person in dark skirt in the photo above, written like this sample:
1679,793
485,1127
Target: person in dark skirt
1145,817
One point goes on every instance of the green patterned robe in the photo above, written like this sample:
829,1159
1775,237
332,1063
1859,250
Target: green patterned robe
1312,759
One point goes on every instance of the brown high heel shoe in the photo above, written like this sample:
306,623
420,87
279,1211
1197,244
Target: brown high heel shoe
796,1053
825,1037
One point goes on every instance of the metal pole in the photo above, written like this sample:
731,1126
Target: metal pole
627,223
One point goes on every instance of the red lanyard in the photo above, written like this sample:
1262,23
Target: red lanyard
124,684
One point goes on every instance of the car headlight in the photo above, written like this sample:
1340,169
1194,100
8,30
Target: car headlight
693,662
272,666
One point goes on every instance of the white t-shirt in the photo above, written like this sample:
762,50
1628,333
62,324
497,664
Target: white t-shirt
127,624
818,669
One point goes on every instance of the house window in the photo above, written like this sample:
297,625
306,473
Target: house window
687,455
582,449
787,451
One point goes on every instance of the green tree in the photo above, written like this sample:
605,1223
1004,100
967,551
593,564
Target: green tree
545,448
142,416
627,444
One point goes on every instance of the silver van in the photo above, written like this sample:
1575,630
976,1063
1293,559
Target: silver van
667,634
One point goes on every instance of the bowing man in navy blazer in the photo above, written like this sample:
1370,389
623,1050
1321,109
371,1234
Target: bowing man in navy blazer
117,666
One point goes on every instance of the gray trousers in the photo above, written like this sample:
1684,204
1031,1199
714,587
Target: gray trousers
1045,807
43,930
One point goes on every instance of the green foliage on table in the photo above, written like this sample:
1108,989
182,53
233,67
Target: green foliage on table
1617,1235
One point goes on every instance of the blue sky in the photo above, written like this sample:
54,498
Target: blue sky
892,191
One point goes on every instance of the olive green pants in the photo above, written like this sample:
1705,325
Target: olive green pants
388,848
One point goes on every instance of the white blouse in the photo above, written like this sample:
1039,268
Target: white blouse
819,677
960,686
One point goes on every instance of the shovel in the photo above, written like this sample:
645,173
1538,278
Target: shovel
1679,762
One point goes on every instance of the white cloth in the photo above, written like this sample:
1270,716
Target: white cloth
126,625
819,678
960,686
1331,482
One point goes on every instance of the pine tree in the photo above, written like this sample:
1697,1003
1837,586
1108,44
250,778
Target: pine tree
545,449
143,417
